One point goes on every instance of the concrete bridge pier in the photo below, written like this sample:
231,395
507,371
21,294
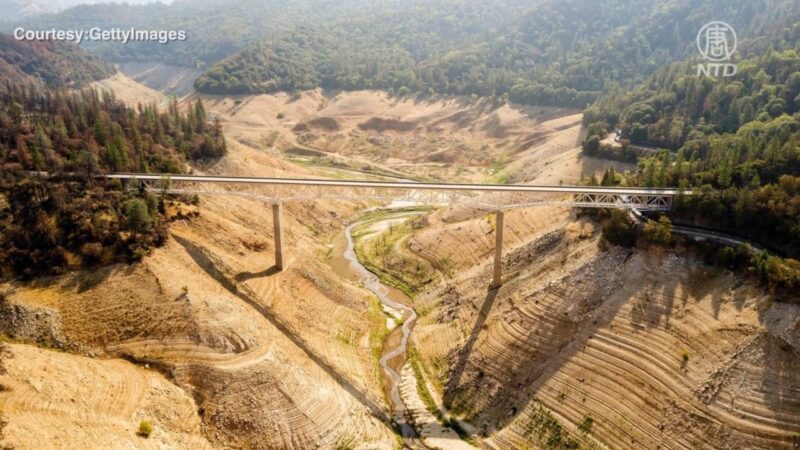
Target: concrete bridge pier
277,209
497,279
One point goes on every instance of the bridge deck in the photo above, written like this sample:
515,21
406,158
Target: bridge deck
411,185
495,197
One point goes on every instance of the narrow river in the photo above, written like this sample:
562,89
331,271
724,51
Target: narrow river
394,303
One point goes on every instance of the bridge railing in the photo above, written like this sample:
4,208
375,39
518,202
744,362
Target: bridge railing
497,198
276,190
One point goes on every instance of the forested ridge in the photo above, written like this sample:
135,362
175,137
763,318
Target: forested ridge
549,52
49,225
45,63
555,52
734,141
215,29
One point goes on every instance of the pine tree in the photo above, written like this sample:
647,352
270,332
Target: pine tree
199,116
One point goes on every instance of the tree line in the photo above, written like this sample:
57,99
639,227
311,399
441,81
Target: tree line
46,63
734,142
561,53
549,52
50,224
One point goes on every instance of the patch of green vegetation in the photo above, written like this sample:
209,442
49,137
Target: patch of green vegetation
378,251
496,172
447,266
548,431
586,424
427,398
388,279
341,170
314,230
345,443
422,388
378,333
618,229
685,355
377,215
347,337
659,232
440,367
501,178
145,428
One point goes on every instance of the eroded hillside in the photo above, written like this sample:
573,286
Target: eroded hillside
581,346
615,348
372,132
265,359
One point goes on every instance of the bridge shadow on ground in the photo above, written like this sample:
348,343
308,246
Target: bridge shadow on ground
245,276
211,265
494,383
463,358
495,391
781,382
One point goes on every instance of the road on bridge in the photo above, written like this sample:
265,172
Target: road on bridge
395,184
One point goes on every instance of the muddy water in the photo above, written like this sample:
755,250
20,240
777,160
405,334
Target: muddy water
396,304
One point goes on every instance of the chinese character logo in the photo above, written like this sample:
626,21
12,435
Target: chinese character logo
717,43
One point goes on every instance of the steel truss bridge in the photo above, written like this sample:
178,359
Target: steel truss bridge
495,198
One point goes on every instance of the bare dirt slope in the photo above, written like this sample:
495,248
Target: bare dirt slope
371,133
603,349
56,400
170,80
369,130
130,91
270,360
644,349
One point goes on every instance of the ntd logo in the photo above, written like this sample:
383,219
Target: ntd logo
717,43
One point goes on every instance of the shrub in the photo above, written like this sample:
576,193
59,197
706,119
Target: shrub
145,428
152,204
777,272
586,424
138,215
619,230
92,251
592,145
602,244
659,232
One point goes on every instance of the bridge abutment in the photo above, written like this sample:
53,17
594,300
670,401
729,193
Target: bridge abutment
497,278
277,212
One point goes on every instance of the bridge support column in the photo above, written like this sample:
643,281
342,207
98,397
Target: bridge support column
276,222
497,279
